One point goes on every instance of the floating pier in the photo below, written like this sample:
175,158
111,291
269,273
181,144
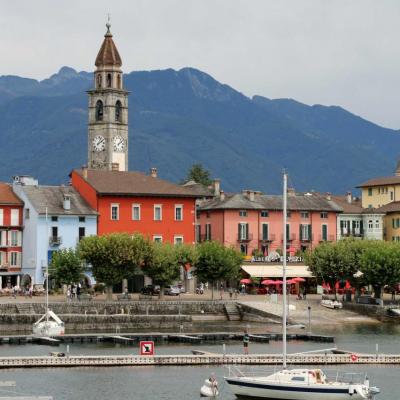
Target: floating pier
199,359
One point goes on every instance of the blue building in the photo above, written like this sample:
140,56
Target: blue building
55,217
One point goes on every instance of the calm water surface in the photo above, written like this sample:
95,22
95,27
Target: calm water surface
183,383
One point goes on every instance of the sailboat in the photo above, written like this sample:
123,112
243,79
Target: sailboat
296,384
49,323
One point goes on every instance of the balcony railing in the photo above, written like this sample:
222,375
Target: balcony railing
290,238
269,238
328,238
306,238
204,237
55,240
245,238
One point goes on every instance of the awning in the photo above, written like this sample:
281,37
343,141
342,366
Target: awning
275,271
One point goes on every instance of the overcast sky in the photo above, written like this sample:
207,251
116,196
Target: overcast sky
332,52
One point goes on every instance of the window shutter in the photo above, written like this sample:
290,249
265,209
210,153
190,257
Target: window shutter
361,227
19,238
287,232
239,231
301,232
309,232
265,231
19,259
247,231
353,227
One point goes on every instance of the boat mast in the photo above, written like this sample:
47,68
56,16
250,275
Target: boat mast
284,317
47,276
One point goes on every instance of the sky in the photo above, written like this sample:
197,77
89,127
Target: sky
331,52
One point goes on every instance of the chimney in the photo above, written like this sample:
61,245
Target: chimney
114,166
222,195
348,197
153,172
67,202
291,192
328,196
217,187
251,195
84,171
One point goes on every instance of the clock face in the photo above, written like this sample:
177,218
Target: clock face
99,143
119,143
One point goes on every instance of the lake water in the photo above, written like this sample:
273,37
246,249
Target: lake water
183,383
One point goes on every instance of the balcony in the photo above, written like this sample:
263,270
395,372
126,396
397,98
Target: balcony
306,238
4,266
328,238
245,238
290,238
269,238
55,240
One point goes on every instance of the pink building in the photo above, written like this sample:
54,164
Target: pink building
252,221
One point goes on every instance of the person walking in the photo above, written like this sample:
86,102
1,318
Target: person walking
221,291
246,341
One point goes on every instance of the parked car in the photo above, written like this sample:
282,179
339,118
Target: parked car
152,290
172,291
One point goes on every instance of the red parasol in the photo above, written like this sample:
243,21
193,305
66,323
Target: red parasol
278,282
298,279
291,281
347,285
267,282
337,285
245,281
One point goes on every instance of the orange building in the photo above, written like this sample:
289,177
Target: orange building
134,202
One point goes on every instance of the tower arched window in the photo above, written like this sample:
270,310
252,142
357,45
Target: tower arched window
118,111
109,80
119,81
99,110
99,81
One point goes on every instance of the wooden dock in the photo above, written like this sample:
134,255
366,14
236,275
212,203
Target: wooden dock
200,359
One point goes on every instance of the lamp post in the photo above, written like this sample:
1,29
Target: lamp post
309,319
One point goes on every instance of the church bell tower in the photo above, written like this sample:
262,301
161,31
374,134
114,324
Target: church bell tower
108,111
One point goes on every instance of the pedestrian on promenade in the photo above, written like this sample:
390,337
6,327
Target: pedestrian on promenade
246,341
221,291
78,291
230,292
304,293
69,293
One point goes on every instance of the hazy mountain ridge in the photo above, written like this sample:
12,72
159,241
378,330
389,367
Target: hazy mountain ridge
180,117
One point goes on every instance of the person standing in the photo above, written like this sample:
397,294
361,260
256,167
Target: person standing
246,341
221,291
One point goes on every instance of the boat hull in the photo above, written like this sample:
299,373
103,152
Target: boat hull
246,389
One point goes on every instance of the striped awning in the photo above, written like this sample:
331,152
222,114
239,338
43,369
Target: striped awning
275,270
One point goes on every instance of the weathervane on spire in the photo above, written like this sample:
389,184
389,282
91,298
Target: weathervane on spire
108,24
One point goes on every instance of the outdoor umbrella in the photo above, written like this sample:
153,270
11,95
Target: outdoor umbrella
245,281
291,281
267,282
278,282
298,279
347,285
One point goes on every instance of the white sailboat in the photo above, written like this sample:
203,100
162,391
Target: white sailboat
49,323
301,383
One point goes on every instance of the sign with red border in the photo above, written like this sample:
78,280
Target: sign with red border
146,348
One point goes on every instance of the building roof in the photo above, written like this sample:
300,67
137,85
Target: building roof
8,197
382,181
108,53
129,183
198,188
348,208
51,197
392,207
297,202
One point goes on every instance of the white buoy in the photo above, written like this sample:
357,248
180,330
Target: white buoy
210,388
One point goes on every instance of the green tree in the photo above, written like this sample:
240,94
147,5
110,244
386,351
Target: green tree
164,267
66,266
216,262
198,174
116,256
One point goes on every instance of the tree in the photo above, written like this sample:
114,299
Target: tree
198,174
164,267
116,256
66,266
216,262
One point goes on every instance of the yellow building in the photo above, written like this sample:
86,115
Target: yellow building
391,221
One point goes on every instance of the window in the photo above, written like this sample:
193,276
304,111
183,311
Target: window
305,214
178,212
14,217
198,233
1,216
114,212
377,224
119,81
157,212
27,213
264,231
99,110
109,80
288,214
99,79
243,249
243,231
136,212
157,238
3,238
178,239
324,215
324,232
370,224
54,231
54,219
242,213
369,191
82,219
287,231
305,232
208,231
14,259
14,238
391,196
81,232
118,108
264,213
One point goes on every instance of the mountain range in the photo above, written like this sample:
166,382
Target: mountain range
177,118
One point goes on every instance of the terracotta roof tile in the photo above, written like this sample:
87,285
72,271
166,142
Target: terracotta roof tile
129,183
385,180
348,208
7,196
394,206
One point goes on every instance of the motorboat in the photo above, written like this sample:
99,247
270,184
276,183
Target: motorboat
295,384
333,304
49,325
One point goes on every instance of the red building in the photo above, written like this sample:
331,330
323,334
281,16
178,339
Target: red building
136,202
11,225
